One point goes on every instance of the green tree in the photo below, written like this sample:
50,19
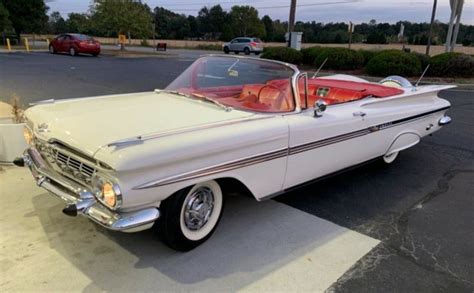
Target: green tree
245,22
78,22
111,17
5,22
57,24
27,16
269,30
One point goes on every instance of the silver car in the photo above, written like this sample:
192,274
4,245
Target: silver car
244,44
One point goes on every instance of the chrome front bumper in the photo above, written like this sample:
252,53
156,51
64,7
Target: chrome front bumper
79,200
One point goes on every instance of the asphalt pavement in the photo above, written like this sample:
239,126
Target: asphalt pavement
421,208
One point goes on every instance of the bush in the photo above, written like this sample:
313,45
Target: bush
393,62
452,65
368,54
284,54
310,54
208,47
424,59
340,58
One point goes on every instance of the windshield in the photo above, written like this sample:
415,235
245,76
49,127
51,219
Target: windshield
82,37
241,83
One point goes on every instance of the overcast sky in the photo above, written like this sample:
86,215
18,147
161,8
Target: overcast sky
319,10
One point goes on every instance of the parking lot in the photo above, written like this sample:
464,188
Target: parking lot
404,227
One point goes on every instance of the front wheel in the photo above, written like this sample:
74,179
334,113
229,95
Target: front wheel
226,50
190,216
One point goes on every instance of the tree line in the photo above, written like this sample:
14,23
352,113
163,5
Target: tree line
108,18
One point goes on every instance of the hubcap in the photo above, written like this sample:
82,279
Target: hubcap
198,208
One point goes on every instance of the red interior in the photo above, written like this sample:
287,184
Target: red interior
276,95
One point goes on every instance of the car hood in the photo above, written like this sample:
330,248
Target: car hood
88,124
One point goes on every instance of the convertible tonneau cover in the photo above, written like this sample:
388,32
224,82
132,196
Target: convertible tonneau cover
368,89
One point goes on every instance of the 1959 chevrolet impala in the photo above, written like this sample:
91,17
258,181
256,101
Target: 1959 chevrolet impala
167,158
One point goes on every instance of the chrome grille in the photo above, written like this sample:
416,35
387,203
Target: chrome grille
66,162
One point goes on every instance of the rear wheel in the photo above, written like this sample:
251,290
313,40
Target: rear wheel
190,216
72,51
226,50
247,51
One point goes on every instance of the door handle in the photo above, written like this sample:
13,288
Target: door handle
360,113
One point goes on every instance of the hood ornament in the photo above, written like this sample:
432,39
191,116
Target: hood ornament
43,127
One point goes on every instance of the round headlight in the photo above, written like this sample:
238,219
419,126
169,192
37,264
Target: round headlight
106,192
109,195
28,135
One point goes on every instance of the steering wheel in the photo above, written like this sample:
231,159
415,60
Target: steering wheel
279,100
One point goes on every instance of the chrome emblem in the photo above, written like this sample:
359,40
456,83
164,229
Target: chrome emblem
43,127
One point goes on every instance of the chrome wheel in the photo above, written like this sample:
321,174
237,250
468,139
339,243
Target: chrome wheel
198,208
201,210
72,52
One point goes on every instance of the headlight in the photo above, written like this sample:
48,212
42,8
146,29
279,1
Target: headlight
28,135
106,191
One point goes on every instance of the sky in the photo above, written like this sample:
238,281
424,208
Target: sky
324,11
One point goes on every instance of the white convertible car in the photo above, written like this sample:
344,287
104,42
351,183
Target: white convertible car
168,157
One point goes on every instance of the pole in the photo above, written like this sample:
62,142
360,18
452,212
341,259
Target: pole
27,46
454,4
154,29
430,35
291,21
456,28
350,33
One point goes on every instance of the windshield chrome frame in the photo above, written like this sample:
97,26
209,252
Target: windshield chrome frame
294,79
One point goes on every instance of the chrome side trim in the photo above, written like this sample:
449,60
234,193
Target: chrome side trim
50,101
141,138
216,169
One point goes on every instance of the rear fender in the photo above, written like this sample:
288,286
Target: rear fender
403,141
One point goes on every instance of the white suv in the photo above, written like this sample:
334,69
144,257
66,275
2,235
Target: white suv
244,44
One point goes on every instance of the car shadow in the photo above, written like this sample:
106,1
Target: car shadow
252,240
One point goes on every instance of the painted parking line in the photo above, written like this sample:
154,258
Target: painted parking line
264,246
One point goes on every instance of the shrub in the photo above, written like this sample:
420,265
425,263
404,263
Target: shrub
452,65
424,59
340,58
368,54
284,54
310,54
392,62
209,47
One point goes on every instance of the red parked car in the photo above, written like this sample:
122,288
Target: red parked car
74,44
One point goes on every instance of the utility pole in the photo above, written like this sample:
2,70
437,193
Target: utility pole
291,21
351,30
430,35
456,11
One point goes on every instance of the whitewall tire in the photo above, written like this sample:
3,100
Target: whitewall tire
190,216
388,159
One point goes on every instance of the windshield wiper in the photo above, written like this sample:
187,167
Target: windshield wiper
199,96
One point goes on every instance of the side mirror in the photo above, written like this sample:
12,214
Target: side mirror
319,107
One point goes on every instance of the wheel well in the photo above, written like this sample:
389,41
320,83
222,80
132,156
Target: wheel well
231,185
